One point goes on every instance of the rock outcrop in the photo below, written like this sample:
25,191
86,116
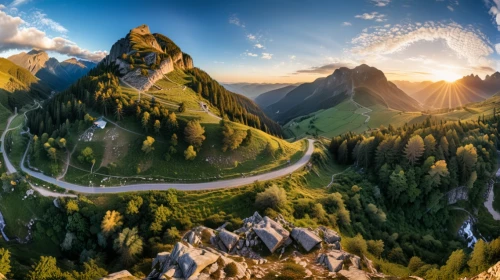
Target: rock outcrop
120,275
141,45
490,274
206,253
306,238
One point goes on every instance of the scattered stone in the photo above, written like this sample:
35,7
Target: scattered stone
194,261
306,238
124,274
228,238
271,233
355,274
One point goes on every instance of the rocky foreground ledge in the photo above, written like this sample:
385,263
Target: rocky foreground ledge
262,246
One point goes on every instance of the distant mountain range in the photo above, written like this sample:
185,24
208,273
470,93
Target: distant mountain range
57,75
252,90
267,98
469,89
411,87
327,92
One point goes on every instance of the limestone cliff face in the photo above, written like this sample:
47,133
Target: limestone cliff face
188,61
33,60
145,47
141,82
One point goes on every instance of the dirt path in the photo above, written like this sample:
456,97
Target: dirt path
48,193
68,159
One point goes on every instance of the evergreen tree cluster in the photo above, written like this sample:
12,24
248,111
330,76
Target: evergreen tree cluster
416,166
232,106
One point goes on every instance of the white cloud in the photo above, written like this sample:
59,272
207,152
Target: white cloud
497,48
372,16
218,62
251,37
465,42
495,11
2,7
267,55
381,3
16,3
251,54
292,57
41,20
17,35
259,46
450,8
346,23
236,21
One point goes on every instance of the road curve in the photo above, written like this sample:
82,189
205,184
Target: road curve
10,168
238,182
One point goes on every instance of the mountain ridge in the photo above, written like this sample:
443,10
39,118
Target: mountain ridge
468,89
329,91
58,75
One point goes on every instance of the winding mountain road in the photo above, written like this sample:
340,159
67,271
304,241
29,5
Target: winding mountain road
10,168
232,183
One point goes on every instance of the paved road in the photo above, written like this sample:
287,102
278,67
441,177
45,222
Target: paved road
178,186
8,165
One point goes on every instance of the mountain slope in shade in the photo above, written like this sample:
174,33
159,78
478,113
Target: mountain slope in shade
459,93
48,69
411,87
267,98
252,90
18,86
327,92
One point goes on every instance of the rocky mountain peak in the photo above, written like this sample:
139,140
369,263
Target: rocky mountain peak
34,60
141,30
36,51
140,50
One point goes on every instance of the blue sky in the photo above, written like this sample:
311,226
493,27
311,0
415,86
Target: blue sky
274,40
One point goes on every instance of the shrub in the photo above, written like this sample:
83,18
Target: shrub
231,269
273,197
356,245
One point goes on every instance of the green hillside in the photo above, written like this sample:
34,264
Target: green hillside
349,116
118,149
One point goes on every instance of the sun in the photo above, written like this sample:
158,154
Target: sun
446,76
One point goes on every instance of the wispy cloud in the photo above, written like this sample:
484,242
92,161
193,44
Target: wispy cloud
233,19
381,3
251,37
324,69
250,54
376,16
292,57
16,3
346,23
259,46
267,55
16,34
41,20
467,43
450,8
